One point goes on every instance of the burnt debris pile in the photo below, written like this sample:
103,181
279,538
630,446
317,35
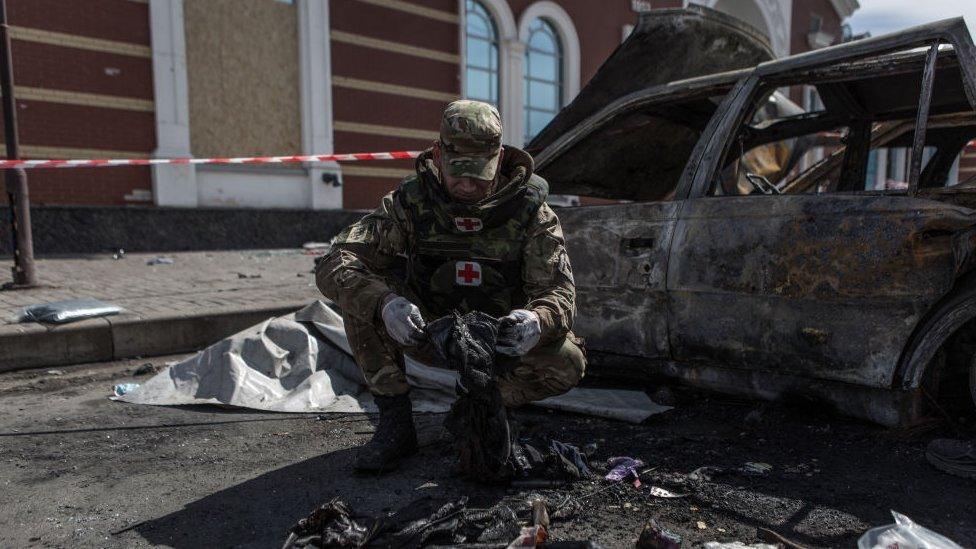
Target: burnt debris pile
483,430
478,419
420,524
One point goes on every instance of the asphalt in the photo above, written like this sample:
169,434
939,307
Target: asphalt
79,470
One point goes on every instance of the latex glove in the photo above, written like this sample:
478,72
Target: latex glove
403,321
518,332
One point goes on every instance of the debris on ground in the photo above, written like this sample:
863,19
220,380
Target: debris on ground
55,372
145,369
488,448
664,396
956,457
624,468
904,534
739,545
247,275
124,388
335,524
62,312
659,492
478,419
653,536
754,469
160,261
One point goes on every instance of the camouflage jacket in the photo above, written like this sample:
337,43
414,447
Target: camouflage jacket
511,240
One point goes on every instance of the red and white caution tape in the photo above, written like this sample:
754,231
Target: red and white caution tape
355,157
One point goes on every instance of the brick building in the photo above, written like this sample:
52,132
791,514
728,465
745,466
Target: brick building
137,78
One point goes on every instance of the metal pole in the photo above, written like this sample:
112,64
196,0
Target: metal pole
23,270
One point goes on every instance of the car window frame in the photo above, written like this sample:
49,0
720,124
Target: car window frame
713,147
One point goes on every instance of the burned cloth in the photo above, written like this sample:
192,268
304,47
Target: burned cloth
560,461
419,524
478,419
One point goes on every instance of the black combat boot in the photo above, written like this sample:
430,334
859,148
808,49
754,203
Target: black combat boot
395,437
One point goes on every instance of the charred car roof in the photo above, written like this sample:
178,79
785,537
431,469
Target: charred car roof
637,145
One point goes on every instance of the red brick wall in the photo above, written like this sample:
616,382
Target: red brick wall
368,107
74,69
598,24
803,11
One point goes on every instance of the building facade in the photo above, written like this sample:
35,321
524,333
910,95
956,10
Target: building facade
177,78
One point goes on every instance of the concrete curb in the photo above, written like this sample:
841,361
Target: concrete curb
31,345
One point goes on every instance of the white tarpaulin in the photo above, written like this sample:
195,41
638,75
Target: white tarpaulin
302,363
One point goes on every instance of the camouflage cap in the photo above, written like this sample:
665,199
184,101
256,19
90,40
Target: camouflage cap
471,139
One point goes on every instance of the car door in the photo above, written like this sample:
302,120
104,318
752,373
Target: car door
826,286
619,255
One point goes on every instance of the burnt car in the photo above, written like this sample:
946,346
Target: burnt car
732,257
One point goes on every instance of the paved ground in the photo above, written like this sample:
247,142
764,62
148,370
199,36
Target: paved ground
200,298
77,470
195,281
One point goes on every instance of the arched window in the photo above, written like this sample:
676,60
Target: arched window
481,48
543,77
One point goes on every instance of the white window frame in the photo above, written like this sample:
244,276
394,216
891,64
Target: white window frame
562,23
511,58
504,21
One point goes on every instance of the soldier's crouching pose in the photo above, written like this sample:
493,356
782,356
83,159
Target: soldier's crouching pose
476,234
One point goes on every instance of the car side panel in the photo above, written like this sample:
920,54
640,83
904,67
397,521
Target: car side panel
619,255
823,286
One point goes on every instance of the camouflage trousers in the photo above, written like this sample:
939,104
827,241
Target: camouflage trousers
545,371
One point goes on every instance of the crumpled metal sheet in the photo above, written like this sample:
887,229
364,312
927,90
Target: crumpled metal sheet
302,363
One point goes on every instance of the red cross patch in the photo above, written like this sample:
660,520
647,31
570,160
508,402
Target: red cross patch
467,273
467,224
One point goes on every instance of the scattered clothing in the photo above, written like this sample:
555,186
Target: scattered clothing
478,419
330,525
624,468
956,457
560,462
419,524
570,459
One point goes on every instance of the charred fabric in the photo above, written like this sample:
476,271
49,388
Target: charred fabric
489,450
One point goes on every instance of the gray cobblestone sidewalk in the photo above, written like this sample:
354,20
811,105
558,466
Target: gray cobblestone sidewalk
196,282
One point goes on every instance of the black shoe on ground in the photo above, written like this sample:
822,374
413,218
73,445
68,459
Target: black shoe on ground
395,437
956,457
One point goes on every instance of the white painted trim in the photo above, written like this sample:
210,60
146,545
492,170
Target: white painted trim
315,69
509,76
563,24
172,185
845,8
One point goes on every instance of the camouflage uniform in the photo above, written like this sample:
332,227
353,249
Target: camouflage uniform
505,252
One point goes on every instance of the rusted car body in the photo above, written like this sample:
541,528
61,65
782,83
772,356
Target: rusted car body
837,292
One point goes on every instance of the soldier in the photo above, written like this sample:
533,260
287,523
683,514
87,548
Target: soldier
476,234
